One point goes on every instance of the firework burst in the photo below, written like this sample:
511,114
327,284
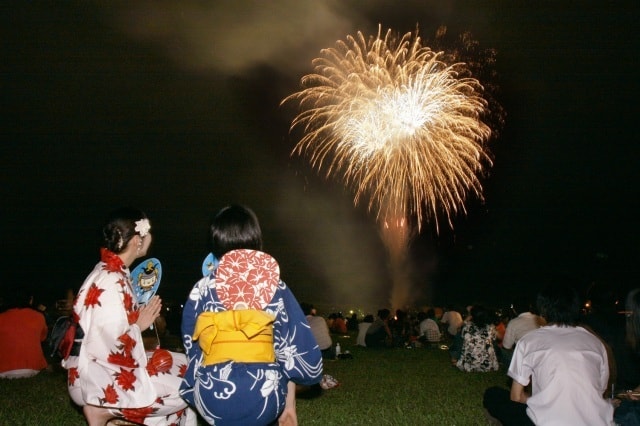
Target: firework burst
401,126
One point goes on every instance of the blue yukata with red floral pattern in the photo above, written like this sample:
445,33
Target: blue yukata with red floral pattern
248,393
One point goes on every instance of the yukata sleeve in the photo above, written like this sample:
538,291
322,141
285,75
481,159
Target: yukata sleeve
112,328
190,312
296,349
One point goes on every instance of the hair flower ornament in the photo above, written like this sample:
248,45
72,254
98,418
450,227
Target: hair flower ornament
142,227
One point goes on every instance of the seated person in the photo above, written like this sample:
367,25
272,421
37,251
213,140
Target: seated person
379,335
518,327
362,330
320,331
478,336
565,365
22,330
248,343
428,332
339,325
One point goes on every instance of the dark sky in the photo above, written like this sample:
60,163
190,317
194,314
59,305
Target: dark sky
174,107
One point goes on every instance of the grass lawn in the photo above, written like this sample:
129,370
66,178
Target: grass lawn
377,387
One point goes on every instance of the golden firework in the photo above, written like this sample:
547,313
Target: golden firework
401,126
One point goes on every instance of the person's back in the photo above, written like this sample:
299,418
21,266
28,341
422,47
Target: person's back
454,321
428,328
478,337
320,331
569,373
519,326
21,332
363,327
339,325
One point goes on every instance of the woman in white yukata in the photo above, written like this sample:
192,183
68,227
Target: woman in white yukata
110,375
247,340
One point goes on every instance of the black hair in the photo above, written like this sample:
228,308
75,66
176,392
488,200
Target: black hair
235,227
306,308
480,316
384,314
559,304
120,227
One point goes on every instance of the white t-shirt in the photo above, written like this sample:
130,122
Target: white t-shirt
362,332
518,327
454,319
569,372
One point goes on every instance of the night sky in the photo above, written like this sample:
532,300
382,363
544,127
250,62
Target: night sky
173,107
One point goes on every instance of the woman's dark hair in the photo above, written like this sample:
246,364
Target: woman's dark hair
120,227
235,227
481,316
559,304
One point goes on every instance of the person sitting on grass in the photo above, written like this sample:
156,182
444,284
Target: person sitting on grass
517,327
247,340
109,373
320,331
428,332
362,330
22,330
478,336
565,365
378,334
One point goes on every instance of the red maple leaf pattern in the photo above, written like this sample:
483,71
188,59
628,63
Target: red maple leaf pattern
128,301
122,282
72,375
93,296
110,395
132,317
125,360
126,379
128,343
182,370
137,415
247,277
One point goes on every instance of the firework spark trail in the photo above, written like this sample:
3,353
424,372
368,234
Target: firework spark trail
399,124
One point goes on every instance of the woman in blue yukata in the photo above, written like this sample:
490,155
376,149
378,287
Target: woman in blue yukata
247,340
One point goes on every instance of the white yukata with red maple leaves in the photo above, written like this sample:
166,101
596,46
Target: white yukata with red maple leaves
112,369
248,393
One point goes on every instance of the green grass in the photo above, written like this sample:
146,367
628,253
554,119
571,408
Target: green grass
377,387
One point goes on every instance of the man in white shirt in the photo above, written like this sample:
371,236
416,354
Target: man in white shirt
565,365
518,327
454,320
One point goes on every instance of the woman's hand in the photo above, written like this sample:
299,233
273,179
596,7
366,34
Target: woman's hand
149,313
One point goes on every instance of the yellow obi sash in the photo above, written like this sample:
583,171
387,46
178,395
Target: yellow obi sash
241,336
